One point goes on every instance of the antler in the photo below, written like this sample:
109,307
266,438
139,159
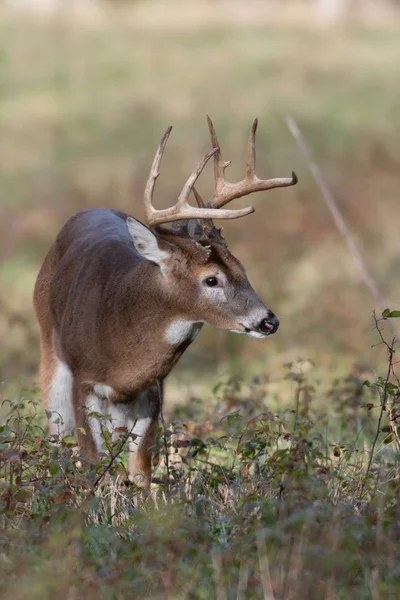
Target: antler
182,208
226,192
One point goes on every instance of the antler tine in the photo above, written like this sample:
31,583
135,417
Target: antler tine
154,173
199,199
187,188
251,152
226,192
219,164
182,209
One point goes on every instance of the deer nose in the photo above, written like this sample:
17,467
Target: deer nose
269,325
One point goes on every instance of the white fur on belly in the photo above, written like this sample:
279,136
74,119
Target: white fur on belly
181,330
60,399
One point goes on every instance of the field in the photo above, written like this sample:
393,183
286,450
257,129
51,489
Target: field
282,476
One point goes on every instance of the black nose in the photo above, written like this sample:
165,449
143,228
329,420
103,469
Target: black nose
269,325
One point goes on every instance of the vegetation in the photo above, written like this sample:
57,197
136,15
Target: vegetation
256,497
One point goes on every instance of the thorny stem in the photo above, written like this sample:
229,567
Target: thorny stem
386,404
386,398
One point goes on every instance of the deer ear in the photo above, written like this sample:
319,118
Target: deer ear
146,243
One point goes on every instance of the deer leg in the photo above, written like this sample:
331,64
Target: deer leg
89,442
47,370
56,384
147,410
140,456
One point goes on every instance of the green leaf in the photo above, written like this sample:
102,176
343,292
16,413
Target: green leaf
96,415
391,314
68,441
23,495
232,417
54,468
106,434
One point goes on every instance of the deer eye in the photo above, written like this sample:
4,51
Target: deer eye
211,281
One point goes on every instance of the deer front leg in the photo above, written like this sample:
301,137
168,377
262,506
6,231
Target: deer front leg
147,410
57,385
140,457
89,442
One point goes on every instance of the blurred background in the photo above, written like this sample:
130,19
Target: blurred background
88,87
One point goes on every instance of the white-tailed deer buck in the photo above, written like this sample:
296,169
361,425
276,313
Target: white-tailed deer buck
118,302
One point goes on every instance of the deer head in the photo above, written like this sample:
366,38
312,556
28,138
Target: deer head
203,280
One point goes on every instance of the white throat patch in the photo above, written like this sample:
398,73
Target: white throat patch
180,331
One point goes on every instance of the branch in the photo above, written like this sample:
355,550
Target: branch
337,215
386,403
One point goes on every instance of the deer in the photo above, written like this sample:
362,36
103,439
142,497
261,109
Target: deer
118,301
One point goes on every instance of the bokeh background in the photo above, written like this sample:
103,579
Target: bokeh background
88,88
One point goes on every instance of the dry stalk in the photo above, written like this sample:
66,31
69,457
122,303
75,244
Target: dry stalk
337,215
387,399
